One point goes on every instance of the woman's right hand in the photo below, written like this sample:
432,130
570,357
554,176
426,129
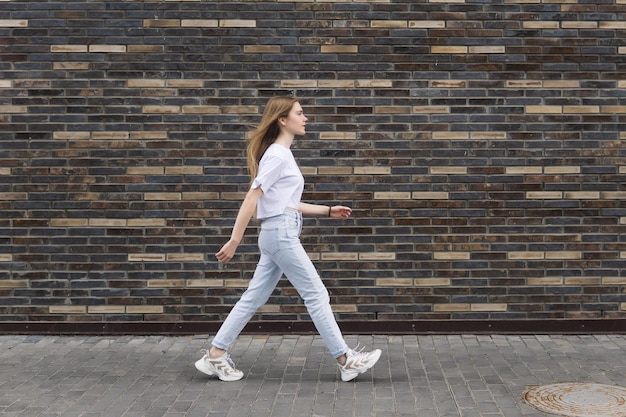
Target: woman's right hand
227,252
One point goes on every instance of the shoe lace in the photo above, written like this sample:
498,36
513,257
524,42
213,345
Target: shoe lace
226,357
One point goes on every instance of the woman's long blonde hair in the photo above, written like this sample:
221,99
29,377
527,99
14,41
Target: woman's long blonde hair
267,131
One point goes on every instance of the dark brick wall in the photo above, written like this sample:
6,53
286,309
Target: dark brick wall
481,145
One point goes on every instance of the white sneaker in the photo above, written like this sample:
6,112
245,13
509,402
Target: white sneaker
358,362
223,367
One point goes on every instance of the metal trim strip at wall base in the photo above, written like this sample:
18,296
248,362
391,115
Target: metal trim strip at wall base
542,326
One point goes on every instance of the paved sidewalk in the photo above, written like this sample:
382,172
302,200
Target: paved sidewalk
457,375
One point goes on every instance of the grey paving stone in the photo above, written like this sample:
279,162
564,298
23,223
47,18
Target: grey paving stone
293,376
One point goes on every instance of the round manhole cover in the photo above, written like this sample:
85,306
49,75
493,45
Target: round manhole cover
578,399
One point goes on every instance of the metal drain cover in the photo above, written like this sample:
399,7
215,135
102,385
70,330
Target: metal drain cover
578,399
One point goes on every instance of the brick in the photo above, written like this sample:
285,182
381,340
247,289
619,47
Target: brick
479,145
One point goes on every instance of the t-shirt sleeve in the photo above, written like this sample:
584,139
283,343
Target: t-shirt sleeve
269,172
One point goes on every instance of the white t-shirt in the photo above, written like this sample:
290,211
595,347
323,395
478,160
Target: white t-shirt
281,181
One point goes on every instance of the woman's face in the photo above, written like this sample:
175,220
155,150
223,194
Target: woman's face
295,122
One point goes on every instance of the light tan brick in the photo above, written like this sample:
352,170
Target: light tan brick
335,170
621,50
13,196
145,48
582,195
585,281
394,282
237,23
76,66
298,83
71,135
236,283
484,49
613,195
13,109
543,109
563,255
547,281
5,83
524,170
391,24
161,109
391,195
146,222
62,309
540,25
429,195
13,283
142,309
336,83
146,257
614,280
145,170
427,24
561,84
579,25
193,283
488,307
372,170
526,255
524,84
185,257
184,83
338,135
447,170
345,256
199,23
162,196
451,256
448,83
611,24
161,23
6,257
451,307
392,109
107,48
581,109
110,135
562,170
373,83
377,256
448,49
450,135
194,196
165,283
544,195
6,171
431,282
106,309
431,109
68,48
261,49
108,222
149,135
339,49
614,109
13,23
240,109
141,83
69,222
184,170
488,135
201,109
346,308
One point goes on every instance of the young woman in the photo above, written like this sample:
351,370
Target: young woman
275,195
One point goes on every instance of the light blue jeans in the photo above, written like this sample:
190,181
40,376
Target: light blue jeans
282,253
